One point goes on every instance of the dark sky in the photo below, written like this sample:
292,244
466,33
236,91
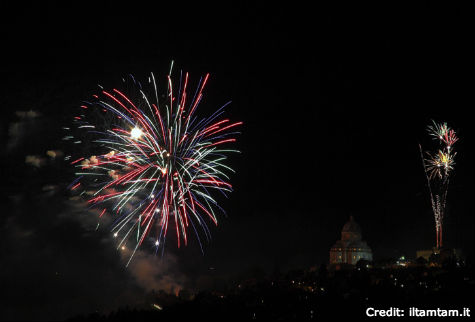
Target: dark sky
334,102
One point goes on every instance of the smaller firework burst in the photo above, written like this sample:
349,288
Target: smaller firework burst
442,132
438,167
440,164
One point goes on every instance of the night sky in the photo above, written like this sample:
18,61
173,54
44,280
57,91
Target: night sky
334,100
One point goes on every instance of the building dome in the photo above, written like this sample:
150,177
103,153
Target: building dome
350,248
351,231
351,226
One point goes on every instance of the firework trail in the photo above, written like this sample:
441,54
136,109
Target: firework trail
155,165
438,166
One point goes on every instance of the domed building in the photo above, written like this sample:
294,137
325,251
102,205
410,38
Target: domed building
350,248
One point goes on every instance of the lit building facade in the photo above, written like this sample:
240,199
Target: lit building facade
350,248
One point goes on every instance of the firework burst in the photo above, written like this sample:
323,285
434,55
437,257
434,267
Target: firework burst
155,163
438,167
443,133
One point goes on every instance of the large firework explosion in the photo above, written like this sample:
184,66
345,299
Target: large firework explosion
150,162
438,167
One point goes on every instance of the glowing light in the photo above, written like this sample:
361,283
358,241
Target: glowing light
136,133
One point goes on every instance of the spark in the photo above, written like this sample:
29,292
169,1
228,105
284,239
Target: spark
136,133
